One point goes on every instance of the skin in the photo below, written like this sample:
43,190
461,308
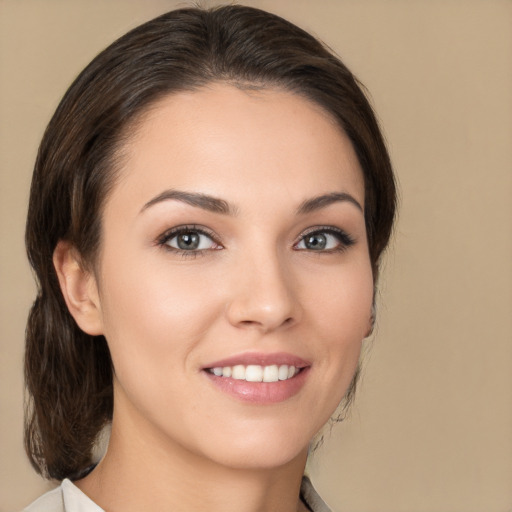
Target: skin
256,288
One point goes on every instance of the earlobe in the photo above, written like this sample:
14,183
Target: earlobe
371,321
79,288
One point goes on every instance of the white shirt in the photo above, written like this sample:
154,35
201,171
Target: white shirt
65,498
69,498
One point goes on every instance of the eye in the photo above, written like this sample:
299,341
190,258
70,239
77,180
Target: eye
329,239
188,239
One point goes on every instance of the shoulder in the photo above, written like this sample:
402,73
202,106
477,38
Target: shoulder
68,493
52,501
311,498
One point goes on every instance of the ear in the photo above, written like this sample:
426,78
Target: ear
79,289
371,320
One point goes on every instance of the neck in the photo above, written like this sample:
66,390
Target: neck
148,472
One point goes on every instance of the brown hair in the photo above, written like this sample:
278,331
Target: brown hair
69,373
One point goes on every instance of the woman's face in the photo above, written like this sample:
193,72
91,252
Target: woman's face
234,242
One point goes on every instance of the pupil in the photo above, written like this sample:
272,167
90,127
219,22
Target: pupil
317,242
188,241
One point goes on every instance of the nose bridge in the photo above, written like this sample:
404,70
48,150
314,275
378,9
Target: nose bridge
263,291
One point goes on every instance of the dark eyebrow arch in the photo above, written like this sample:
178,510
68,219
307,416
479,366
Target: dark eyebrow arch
316,203
204,201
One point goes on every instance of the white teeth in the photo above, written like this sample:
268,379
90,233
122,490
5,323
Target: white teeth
238,372
283,372
271,373
256,373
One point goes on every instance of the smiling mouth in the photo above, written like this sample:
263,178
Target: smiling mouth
256,373
259,379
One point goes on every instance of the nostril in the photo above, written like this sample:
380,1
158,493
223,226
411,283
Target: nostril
255,323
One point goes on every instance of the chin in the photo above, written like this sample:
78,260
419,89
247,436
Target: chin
263,456
259,446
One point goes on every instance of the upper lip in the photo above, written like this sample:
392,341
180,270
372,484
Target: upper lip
261,359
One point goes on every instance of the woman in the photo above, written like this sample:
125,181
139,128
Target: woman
208,210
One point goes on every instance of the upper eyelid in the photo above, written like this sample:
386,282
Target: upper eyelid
174,231
320,229
323,229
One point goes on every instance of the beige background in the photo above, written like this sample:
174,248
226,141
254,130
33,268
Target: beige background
432,426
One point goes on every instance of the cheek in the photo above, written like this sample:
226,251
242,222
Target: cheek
153,315
341,300
341,321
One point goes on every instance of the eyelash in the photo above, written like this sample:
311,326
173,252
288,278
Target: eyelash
343,237
163,240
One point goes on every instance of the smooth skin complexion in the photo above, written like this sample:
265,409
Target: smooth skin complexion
233,236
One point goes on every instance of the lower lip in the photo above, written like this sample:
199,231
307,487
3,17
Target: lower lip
260,392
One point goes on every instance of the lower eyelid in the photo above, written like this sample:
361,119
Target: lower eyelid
212,244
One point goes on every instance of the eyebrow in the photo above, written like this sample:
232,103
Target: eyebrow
216,205
319,202
204,201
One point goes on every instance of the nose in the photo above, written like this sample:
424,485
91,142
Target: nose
263,295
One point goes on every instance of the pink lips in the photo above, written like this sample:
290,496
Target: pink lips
278,358
260,393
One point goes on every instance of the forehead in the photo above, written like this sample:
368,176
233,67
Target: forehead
269,141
